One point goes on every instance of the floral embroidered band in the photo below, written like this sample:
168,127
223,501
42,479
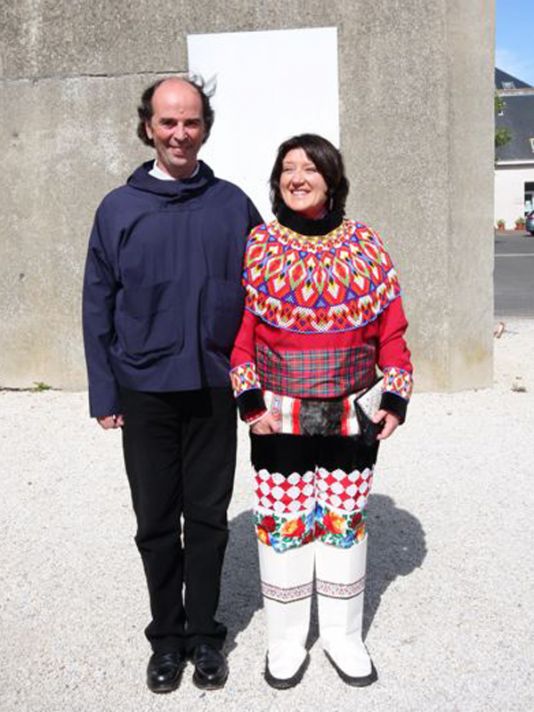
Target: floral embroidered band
341,530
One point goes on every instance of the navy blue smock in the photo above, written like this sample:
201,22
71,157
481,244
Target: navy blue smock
162,298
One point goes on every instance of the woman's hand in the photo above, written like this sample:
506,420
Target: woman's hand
391,423
267,425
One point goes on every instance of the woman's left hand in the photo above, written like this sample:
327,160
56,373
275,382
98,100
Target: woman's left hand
391,423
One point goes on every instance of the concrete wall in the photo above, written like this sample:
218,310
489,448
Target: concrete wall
416,80
510,192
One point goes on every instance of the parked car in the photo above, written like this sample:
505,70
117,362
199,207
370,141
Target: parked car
529,223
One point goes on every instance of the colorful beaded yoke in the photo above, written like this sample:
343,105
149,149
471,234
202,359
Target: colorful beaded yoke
330,283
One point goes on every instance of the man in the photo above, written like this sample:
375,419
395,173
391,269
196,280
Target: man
162,303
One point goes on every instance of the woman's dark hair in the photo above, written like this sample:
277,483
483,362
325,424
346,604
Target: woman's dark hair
145,110
327,160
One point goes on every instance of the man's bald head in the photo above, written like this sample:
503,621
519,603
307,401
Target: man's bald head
145,110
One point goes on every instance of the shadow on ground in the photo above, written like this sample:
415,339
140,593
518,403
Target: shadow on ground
396,547
240,594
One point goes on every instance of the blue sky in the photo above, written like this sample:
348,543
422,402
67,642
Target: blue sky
514,41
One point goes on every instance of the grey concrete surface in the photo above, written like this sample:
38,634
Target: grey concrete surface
470,182
449,615
414,81
60,169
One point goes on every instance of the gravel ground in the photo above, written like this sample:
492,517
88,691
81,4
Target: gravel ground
449,616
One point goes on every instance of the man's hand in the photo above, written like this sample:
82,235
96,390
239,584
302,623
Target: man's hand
110,422
391,423
266,426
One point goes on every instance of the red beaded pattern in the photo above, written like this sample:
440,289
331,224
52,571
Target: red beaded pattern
335,282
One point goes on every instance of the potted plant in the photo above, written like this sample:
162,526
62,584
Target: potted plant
520,223
501,225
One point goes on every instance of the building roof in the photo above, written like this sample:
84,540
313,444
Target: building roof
518,118
504,81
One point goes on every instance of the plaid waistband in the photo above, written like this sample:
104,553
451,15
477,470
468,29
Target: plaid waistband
316,373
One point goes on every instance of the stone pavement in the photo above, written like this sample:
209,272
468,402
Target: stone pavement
449,615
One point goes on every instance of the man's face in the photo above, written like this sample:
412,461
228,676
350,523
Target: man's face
176,127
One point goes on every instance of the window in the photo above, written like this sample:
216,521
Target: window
508,85
532,144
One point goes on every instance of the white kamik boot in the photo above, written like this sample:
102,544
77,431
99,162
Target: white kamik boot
340,583
287,586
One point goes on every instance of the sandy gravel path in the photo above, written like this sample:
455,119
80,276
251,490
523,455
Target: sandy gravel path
449,609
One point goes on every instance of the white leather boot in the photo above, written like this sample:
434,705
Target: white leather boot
340,582
287,586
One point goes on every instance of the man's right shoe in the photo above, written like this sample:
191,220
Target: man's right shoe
164,671
211,669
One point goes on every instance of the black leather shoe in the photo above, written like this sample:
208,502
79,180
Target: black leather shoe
211,670
164,671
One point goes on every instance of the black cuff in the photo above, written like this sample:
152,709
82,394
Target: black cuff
394,404
250,402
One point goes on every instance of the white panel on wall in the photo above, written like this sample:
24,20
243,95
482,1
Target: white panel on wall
270,86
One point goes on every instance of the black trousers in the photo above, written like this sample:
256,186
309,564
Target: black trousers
179,452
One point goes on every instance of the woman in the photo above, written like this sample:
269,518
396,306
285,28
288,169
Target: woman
323,310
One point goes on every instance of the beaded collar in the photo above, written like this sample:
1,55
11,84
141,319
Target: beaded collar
318,284
313,243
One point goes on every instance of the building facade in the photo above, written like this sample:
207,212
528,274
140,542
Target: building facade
514,161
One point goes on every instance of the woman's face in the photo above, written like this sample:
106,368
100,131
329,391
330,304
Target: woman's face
302,187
